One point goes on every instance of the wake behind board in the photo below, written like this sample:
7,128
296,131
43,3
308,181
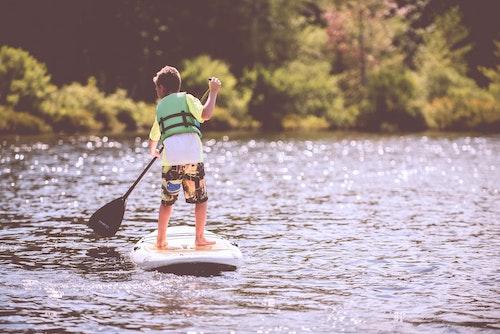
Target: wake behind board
182,257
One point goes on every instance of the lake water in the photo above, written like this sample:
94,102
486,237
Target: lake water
340,233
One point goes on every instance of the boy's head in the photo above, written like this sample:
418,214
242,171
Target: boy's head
168,80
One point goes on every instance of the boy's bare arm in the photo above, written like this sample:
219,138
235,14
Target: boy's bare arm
208,109
152,148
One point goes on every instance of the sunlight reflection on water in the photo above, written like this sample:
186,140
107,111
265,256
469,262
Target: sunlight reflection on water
340,233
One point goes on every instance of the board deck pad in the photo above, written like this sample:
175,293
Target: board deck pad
182,256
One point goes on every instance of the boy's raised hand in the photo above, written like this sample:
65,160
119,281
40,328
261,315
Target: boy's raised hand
214,84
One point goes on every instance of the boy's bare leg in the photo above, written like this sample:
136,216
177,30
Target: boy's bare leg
200,215
163,219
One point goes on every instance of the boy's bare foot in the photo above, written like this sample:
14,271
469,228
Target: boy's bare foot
161,246
204,242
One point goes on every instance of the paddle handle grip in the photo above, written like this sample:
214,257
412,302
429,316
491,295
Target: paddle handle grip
140,176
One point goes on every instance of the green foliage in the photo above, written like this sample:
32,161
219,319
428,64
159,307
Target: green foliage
195,73
390,102
292,64
464,110
439,61
78,108
24,82
75,108
455,102
13,122
493,74
361,41
133,116
265,105
442,43
276,30
297,90
451,100
232,102
311,123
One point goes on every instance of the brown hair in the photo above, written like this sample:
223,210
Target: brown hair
169,77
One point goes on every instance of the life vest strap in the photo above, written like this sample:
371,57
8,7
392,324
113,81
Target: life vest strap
184,122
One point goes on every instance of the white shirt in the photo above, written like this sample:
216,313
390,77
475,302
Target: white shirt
182,149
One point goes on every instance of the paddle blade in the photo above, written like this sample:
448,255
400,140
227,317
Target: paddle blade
107,220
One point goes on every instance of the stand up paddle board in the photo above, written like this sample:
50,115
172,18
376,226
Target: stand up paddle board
182,257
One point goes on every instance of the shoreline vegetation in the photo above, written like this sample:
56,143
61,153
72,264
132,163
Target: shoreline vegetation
42,108
373,67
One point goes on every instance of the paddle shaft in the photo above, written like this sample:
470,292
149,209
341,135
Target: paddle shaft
140,176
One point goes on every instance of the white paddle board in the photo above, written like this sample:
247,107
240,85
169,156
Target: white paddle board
182,256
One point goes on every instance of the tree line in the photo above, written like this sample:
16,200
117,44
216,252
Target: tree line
370,65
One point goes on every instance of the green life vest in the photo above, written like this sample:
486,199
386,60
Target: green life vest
173,116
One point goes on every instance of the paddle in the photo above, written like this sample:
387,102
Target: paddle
107,220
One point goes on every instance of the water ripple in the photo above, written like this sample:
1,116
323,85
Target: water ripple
340,233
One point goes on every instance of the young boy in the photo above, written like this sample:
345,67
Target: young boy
178,116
